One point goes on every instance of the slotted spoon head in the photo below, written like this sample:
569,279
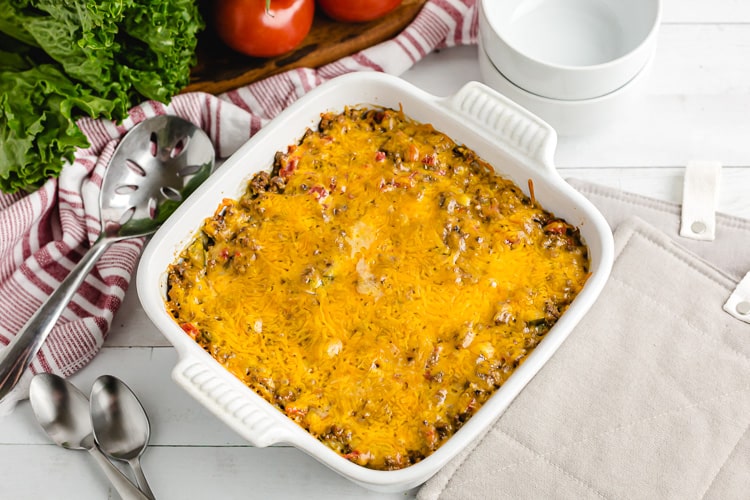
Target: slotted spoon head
155,167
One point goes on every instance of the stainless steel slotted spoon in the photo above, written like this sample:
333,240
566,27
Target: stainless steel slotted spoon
154,168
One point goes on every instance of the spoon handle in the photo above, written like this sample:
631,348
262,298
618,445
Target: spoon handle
123,485
19,354
140,477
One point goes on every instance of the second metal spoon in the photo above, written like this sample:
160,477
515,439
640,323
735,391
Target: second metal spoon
121,426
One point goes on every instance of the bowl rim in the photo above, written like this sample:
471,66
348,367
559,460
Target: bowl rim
647,40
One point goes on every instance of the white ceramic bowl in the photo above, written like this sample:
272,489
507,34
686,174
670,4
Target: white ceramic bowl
567,117
569,49
516,142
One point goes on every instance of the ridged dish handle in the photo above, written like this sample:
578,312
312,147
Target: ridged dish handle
501,118
247,417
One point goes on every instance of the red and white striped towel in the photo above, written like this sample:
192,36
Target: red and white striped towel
44,234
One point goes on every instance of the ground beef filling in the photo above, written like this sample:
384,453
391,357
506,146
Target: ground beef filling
377,285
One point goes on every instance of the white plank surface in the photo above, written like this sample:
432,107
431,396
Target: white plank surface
695,105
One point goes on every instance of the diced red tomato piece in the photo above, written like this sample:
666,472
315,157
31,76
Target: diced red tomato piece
287,170
293,411
190,329
319,192
430,160
556,227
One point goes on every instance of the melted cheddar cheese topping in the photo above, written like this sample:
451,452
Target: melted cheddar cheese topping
378,285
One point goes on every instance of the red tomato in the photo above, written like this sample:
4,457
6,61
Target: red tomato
247,27
357,11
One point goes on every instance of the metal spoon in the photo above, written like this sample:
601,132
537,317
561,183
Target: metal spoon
156,165
121,426
63,412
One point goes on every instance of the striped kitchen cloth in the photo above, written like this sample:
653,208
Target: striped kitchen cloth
44,234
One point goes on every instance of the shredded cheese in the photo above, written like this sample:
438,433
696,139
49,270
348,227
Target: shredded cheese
378,285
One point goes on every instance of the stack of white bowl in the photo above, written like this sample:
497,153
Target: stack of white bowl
574,63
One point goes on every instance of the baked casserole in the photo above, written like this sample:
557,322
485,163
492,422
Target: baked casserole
377,285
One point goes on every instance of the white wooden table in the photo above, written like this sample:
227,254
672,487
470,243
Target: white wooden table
696,105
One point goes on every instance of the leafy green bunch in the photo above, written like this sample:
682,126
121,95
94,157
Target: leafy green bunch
61,60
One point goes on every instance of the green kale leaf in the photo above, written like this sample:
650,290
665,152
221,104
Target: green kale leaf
61,61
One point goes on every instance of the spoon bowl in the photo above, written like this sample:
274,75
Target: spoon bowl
121,425
154,168
63,412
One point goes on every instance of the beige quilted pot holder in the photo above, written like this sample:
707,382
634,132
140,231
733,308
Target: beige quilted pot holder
650,395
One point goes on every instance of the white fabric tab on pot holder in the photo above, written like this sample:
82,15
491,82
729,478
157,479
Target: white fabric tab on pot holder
700,192
738,304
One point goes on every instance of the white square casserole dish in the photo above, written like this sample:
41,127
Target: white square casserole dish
517,143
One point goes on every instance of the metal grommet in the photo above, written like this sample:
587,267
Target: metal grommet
698,227
743,307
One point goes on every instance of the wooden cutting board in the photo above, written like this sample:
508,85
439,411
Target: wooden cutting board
220,68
